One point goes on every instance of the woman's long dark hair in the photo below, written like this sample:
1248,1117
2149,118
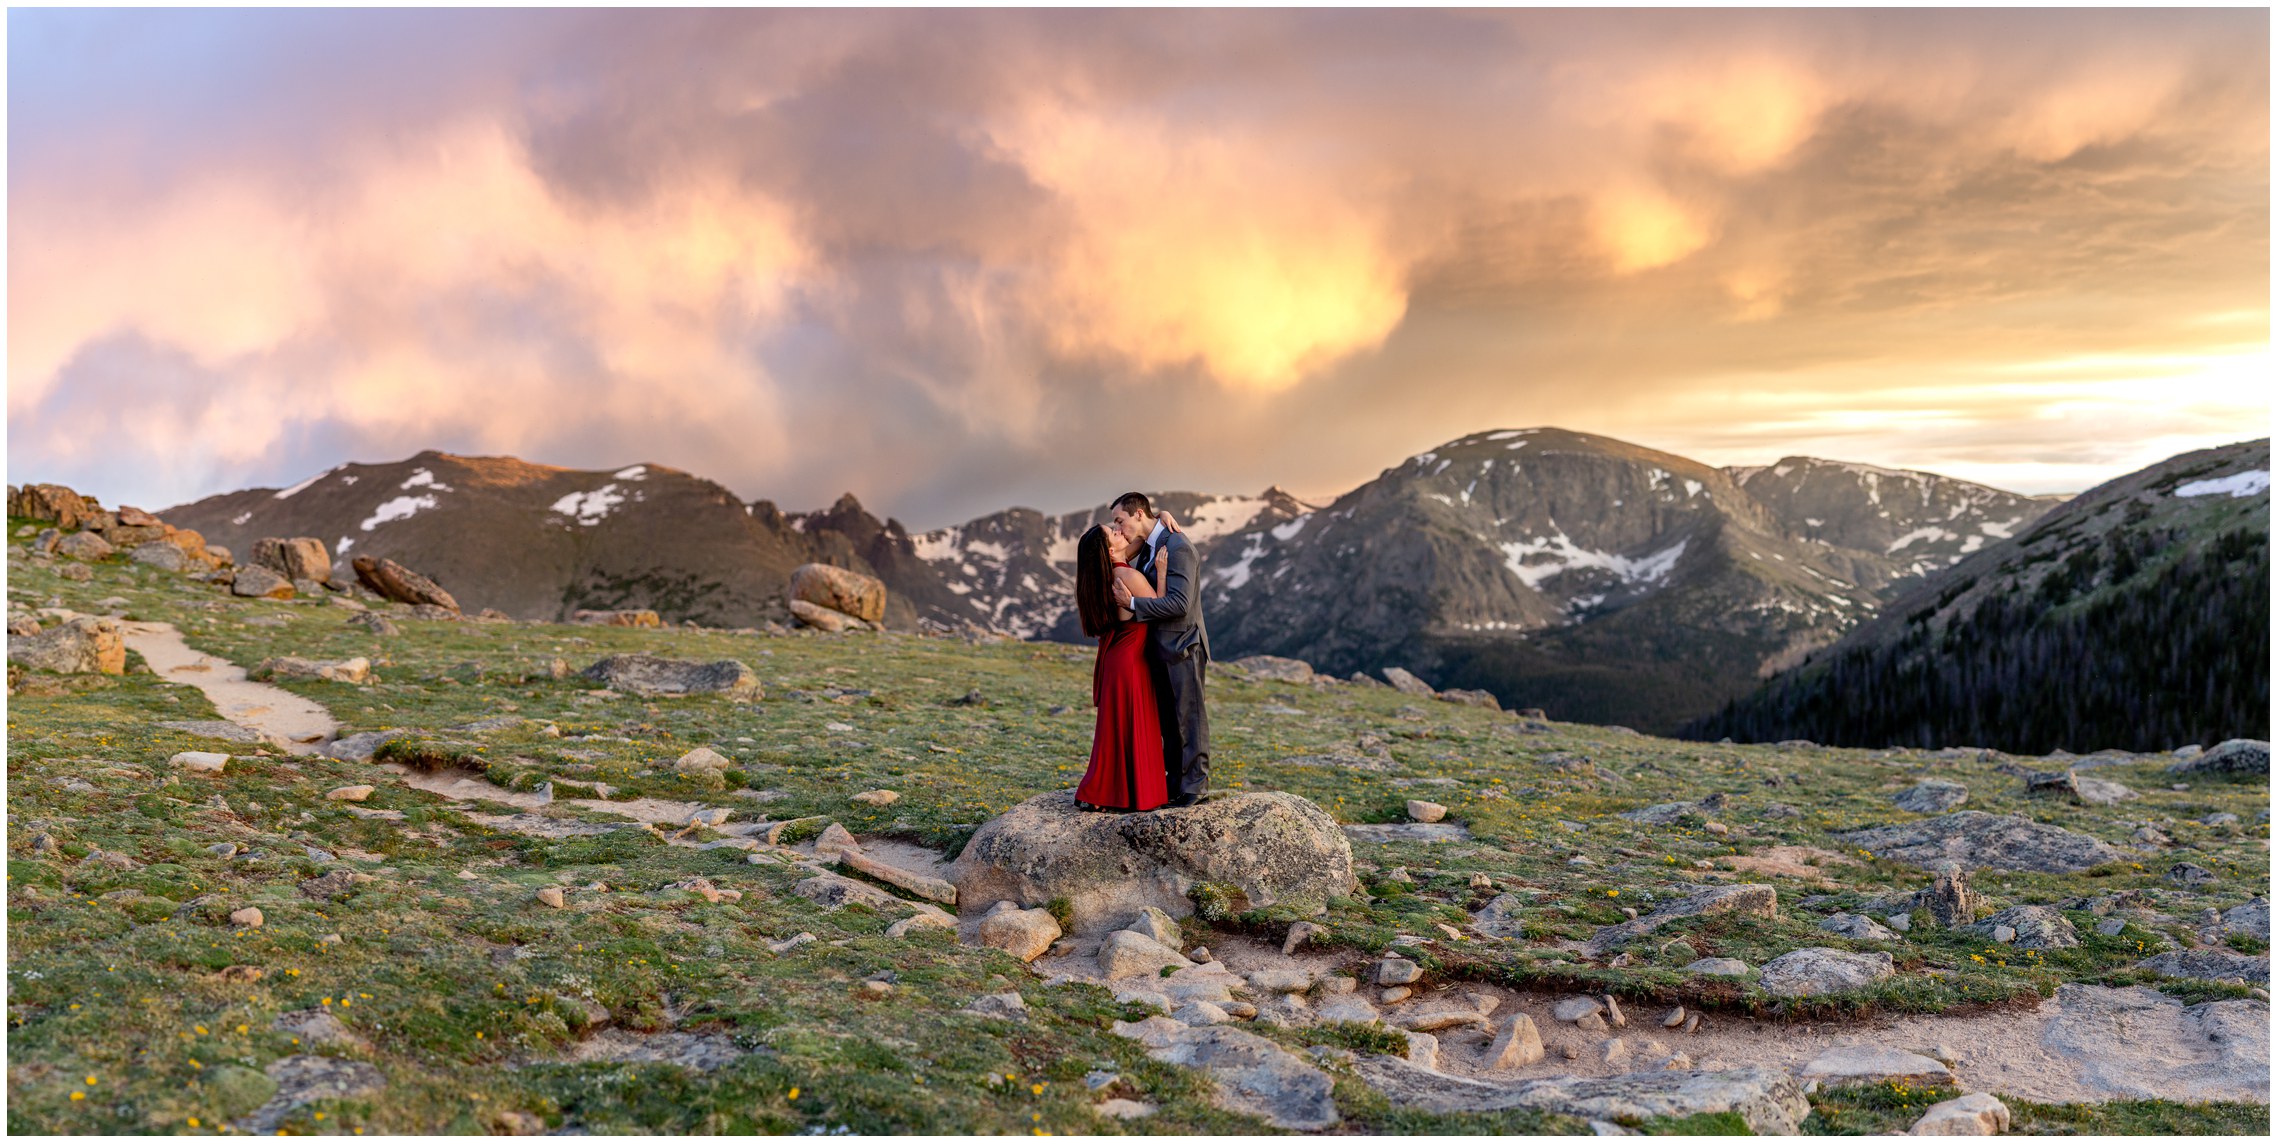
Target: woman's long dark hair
1095,583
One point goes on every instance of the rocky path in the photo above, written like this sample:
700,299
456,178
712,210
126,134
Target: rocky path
299,725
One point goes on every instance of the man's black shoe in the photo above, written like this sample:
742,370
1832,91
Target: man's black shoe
1184,800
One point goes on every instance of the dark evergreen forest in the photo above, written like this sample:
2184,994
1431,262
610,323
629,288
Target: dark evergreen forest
2116,648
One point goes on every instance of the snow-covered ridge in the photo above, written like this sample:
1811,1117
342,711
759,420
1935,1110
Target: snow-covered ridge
2237,485
400,508
1565,555
590,508
287,493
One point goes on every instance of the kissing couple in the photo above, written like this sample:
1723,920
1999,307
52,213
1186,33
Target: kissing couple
1138,592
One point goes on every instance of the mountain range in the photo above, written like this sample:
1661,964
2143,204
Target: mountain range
2135,616
1597,579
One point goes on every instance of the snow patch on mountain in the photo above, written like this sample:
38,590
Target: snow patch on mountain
590,508
636,472
2237,486
287,493
400,508
422,478
1565,555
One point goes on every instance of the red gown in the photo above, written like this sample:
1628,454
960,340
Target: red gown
1126,771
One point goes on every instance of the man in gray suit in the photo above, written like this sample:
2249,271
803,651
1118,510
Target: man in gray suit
1178,645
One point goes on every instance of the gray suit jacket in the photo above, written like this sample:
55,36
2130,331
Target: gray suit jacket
1174,619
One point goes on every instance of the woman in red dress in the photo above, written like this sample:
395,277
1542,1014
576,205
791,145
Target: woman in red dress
1126,772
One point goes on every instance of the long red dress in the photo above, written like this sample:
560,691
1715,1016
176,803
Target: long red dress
1126,771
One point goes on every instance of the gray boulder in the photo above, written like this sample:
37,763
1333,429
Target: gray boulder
1273,668
1263,848
1717,966
1932,796
1977,840
651,677
2035,926
1857,927
1501,917
255,582
1816,972
2236,758
1406,683
2250,918
83,546
161,555
305,1079
1252,1075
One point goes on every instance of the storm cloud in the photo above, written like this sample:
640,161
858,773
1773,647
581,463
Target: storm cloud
956,261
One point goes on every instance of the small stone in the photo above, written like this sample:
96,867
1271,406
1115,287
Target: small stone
1125,1109
878,797
1973,1114
2110,926
1200,1014
2004,934
1573,1009
1154,923
247,917
1718,828
1398,970
835,839
1614,1051
1692,1022
877,988
350,793
1900,922
1818,971
1240,1009
1569,1051
1025,933
199,761
1200,955
2188,876
1517,1045
1481,881
1298,934
788,943
1395,994
1126,954
1422,1049
552,895
1425,811
1674,1018
1280,980
1613,1013
934,919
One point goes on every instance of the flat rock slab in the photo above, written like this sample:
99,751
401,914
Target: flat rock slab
1870,1064
1816,972
1253,1075
1268,848
295,723
1770,1101
2038,927
1977,840
2144,1044
1425,832
1932,796
212,728
651,677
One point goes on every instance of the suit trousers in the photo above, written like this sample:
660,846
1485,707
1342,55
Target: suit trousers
1185,721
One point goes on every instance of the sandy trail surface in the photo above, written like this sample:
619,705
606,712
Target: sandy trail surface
299,725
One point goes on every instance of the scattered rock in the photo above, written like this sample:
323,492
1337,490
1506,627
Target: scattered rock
1857,928
704,763
1932,796
2236,758
1408,831
1768,1100
199,761
253,582
1817,971
651,677
1407,684
822,618
356,671
930,888
84,546
1973,1114
622,617
80,645
2033,926
1482,699
315,1027
832,891
1025,933
1252,850
375,623
1717,966
835,841
841,590
1272,668
1518,1044
248,917
1119,1108
1000,1006
1439,1015
392,580
1298,934
1425,811
878,797
332,886
214,728
1575,1009
1253,1075
1976,840
1398,970
1125,954
302,557
554,896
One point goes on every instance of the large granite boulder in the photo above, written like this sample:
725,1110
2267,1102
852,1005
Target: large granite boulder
1264,848
840,590
1973,839
54,503
649,677
394,581
302,557
83,644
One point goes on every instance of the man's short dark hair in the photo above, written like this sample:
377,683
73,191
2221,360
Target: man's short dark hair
1135,504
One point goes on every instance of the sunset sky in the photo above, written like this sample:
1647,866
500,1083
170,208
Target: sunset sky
958,261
